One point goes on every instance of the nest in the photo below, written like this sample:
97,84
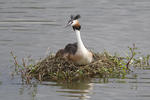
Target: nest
60,69
56,68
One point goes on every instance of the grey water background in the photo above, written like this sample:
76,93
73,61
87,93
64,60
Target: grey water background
36,27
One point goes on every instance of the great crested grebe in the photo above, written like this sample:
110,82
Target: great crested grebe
76,52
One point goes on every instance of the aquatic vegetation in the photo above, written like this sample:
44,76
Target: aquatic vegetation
54,68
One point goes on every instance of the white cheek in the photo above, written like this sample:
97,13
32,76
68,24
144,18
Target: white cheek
74,22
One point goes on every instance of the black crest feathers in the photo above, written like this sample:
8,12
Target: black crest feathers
71,17
75,17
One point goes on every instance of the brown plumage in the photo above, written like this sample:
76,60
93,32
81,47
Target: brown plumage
69,49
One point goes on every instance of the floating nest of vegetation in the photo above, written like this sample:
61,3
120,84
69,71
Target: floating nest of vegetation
59,69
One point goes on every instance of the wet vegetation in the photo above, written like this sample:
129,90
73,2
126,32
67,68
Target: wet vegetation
59,69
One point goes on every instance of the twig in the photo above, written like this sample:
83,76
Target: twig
132,55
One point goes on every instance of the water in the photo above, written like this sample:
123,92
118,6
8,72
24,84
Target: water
31,27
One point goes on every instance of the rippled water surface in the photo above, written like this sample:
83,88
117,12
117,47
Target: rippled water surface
31,27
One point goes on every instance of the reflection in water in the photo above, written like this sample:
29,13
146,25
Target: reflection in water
132,86
30,89
79,90
0,82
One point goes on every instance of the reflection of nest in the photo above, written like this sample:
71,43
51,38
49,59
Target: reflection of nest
57,68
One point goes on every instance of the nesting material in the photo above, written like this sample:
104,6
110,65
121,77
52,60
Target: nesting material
60,69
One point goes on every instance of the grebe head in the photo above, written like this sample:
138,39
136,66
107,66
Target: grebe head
74,22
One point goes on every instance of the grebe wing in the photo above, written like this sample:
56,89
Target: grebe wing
71,48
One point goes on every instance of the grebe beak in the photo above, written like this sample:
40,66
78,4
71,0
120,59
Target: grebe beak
69,23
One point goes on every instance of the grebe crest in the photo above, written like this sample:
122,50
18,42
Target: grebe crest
74,22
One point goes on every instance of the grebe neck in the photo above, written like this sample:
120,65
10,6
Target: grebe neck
79,41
